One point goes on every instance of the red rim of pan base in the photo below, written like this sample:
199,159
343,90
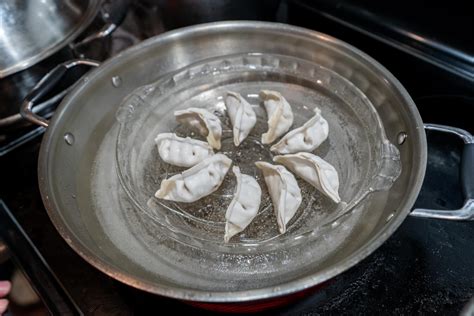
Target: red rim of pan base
259,305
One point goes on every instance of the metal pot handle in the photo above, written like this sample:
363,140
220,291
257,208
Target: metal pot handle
105,31
467,178
45,85
113,17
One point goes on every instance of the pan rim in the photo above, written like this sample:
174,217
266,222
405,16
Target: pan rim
295,285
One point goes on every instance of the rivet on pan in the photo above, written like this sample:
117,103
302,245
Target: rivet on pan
116,81
402,136
69,139
390,216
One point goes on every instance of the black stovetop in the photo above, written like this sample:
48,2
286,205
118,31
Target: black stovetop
427,266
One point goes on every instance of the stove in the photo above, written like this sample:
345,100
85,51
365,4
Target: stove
427,266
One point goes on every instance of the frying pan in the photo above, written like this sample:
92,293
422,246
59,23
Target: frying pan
79,171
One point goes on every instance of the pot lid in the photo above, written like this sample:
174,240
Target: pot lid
30,31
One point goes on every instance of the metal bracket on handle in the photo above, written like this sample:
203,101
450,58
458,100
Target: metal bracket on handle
465,213
463,134
113,13
105,31
46,84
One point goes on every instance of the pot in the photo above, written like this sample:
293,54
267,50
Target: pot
85,200
46,33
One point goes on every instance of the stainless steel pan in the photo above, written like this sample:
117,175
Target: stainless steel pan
82,194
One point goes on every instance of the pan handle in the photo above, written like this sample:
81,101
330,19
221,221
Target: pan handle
467,179
113,13
45,85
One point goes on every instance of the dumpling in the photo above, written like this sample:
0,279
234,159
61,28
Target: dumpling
244,206
284,192
206,123
196,182
313,169
280,115
241,116
182,152
304,138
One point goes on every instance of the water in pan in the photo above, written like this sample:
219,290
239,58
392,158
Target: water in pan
164,261
161,260
355,150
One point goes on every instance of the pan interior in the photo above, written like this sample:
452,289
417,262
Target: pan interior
357,147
